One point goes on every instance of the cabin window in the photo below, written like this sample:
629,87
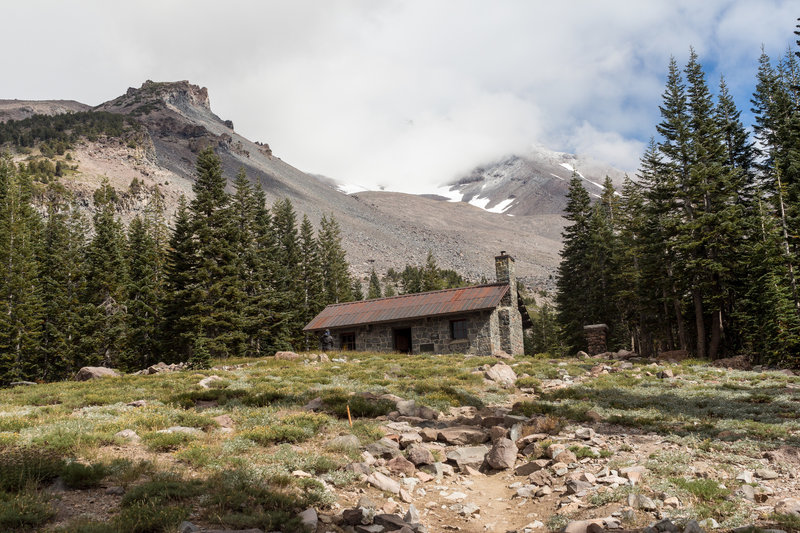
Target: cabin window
458,329
349,341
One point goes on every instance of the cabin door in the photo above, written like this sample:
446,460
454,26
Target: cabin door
402,340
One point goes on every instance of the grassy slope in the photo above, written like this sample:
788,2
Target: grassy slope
243,477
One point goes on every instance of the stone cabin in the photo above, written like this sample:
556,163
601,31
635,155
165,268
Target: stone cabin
480,320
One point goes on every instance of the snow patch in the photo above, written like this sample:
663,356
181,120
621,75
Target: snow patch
502,206
572,169
559,177
350,188
480,202
451,195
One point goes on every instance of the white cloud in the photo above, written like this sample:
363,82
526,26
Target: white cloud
405,94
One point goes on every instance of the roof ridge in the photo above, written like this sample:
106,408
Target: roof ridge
412,294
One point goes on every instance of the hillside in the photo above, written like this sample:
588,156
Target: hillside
438,443
22,109
380,228
535,183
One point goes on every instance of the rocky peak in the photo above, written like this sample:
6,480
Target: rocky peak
152,95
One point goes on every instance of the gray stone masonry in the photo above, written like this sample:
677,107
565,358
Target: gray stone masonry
595,338
489,332
428,335
509,318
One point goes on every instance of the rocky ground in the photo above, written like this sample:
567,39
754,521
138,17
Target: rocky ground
616,443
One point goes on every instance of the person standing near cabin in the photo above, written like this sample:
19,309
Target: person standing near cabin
326,341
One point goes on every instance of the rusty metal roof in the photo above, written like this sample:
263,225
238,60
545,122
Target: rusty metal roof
423,304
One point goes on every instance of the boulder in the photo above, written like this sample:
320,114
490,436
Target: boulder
309,519
384,447
287,356
384,483
463,435
208,382
503,454
401,465
127,434
788,506
344,441
527,469
420,455
95,372
502,374
541,478
468,455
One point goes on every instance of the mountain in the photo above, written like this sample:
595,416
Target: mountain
171,121
22,109
532,184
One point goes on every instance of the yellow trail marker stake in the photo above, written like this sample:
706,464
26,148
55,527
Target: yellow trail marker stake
348,415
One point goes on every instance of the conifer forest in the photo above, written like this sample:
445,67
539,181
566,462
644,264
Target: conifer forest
701,251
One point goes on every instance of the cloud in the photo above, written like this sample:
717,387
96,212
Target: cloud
405,94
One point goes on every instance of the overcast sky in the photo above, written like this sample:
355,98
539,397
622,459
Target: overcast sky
402,94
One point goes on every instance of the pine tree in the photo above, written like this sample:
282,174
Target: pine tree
374,290
105,302
145,294
272,296
177,328
356,289
572,280
218,295
20,295
62,279
309,279
335,274
244,209
284,222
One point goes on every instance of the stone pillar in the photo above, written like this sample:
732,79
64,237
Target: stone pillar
504,267
595,338
509,318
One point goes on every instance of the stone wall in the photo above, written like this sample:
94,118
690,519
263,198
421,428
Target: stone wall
595,338
429,335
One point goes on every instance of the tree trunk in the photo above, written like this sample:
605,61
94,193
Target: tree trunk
699,324
786,244
676,304
716,334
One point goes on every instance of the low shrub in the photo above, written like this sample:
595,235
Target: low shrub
81,476
23,511
21,467
165,442
706,490
162,491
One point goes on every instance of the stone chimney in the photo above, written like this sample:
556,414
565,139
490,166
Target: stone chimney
509,319
504,266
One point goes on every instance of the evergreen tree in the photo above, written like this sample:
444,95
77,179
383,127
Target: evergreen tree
20,295
309,278
244,210
374,286
335,273
572,279
177,329
272,296
105,302
356,289
62,279
218,294
145,294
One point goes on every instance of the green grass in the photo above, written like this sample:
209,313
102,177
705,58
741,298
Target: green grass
80,476
705,490
23,511
243,478
166,442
